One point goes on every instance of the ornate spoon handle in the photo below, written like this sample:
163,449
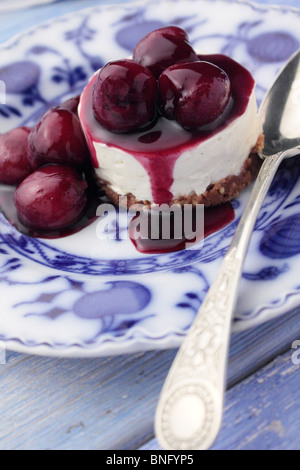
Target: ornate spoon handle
189,411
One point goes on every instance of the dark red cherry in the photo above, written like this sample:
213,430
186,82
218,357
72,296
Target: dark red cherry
71,104
162,48
52,198
124,96
195,94
14,162
58,138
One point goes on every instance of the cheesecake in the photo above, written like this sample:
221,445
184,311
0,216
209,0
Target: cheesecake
176,128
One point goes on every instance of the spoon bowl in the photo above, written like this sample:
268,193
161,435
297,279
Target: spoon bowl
280,110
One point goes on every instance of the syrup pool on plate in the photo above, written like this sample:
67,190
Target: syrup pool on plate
94,197
215,218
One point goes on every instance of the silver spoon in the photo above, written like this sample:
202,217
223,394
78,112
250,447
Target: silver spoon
190,407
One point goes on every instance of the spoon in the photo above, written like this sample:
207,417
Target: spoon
190,407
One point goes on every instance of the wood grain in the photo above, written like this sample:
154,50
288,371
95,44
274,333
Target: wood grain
262,412
109,403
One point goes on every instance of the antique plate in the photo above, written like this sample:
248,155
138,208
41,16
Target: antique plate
15,4
81,296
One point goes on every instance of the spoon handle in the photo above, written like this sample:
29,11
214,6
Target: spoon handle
189,411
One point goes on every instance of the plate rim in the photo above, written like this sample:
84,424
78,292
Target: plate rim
257,6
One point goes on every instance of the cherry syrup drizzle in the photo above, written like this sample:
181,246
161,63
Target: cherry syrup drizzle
158,149
215,219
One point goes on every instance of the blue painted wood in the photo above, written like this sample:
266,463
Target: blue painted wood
255,348
262,412
109,403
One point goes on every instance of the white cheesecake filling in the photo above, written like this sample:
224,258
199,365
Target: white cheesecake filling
123,172
195,169
222,155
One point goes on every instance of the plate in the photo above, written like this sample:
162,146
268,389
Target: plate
81,296
15,4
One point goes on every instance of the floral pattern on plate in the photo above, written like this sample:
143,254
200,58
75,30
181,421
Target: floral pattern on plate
81,296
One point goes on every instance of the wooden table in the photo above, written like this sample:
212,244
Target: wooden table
93,404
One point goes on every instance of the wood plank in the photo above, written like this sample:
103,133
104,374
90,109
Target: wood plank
262,412
78,404
98,403
254,348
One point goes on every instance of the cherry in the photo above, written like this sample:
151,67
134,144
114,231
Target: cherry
71,104
124,96
195,94
162,48
52,198
58,138
14,162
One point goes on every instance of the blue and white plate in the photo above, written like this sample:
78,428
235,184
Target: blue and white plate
6,5
79,296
